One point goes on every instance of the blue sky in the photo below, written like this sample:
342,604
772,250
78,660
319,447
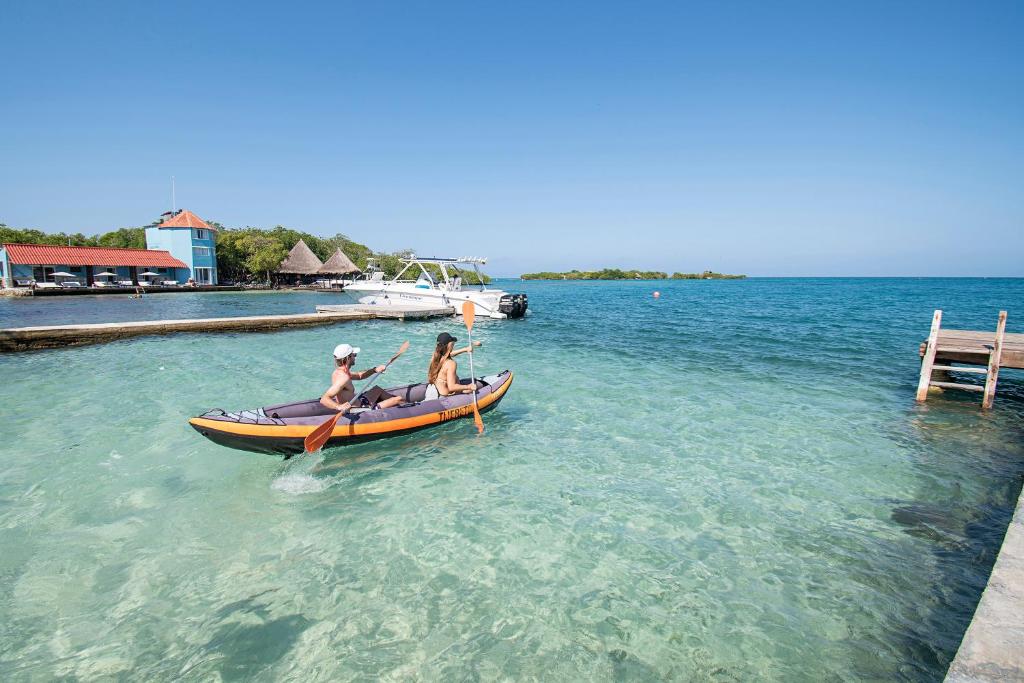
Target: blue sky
766,138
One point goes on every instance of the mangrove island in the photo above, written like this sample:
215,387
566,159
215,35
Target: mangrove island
618,274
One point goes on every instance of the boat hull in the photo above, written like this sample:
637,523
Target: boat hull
266,431
488,303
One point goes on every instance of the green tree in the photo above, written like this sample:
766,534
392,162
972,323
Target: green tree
231,253
391,264
263,254
131,238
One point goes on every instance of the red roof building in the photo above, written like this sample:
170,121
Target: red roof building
23,265
181,249
44,254
189,238
186,219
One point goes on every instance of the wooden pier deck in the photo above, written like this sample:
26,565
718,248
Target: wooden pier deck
965,346
60,336
987,351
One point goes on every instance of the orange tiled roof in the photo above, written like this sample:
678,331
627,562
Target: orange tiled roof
45,254
186,219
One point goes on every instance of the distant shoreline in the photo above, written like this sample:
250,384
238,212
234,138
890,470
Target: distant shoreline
811,277
618,274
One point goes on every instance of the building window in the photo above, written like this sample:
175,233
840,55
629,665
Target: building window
200,251
42,273
203,276
200,234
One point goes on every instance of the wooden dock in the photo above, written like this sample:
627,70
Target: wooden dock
60,336
983,353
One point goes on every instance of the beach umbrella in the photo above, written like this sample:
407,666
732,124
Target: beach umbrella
106,274
61,273
149,273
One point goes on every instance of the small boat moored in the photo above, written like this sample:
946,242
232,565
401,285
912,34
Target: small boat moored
282,428
438,282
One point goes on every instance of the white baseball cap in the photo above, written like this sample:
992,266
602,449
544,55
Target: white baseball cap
344,351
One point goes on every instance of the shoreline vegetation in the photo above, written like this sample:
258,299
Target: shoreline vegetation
619,274
243,254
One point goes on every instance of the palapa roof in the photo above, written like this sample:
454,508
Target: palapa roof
186,219
339,264
45,254
301,261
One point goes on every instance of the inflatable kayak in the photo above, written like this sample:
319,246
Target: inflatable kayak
282,428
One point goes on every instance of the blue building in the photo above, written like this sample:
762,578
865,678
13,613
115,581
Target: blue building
189,239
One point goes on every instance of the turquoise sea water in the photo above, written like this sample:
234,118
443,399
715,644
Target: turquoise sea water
730,483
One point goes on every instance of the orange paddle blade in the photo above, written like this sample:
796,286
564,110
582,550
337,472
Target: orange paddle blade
315,440
468,314
478,420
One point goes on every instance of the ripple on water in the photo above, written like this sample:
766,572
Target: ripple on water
298,476
720,485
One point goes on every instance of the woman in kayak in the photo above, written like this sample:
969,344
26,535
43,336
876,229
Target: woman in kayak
443,373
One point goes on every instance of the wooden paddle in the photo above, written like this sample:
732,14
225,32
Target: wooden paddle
468,315
319,436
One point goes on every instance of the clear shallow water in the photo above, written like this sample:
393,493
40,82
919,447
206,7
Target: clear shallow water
732,483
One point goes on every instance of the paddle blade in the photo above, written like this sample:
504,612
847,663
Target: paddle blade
401,349
315,440
468,314
477,420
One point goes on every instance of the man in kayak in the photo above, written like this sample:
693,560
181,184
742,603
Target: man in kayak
339,397
443,373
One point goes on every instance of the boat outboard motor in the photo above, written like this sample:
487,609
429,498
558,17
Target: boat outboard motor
513,305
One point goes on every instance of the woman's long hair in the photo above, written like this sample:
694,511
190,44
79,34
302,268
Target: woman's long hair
442,352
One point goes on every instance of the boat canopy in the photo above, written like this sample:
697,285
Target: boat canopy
478,260
452,280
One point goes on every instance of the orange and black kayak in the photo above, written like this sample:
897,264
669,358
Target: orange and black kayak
282,428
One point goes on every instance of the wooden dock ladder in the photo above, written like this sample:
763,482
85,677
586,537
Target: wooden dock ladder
974,348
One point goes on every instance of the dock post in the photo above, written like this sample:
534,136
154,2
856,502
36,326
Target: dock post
994,359
929,357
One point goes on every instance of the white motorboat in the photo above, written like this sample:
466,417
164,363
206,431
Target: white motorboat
442,285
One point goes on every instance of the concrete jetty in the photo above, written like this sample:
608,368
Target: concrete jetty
122,291
59,336
993,646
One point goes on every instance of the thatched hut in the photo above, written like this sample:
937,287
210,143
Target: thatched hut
339,264
301,265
